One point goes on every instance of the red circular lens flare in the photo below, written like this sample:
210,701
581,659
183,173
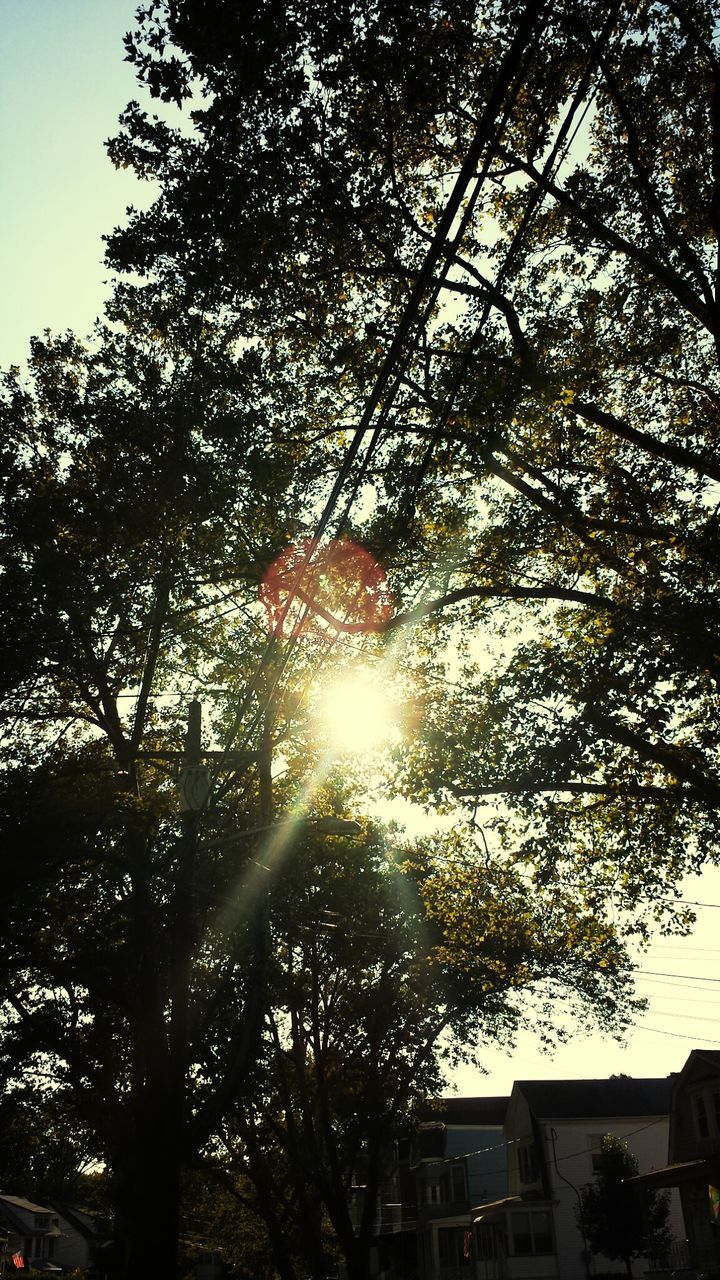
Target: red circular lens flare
311,588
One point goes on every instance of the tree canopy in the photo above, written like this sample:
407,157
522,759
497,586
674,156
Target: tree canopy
438,282
543,469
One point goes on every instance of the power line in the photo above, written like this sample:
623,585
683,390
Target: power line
674,1035
690,1017
690,977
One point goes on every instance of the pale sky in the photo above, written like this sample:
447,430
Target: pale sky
63,83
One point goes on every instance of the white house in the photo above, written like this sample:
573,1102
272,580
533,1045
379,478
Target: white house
553,1131
32,1232
82,1233
49,1237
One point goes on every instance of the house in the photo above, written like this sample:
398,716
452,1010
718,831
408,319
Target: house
457,1160
50,1237
693,1163
553,1131
32,1232
456,1157
82,1234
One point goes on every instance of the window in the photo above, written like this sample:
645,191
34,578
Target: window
452,1184
706,1113
595,1145
531,1233
491,1241
701,1117
42,1221
454,1247
450,1187
528,1163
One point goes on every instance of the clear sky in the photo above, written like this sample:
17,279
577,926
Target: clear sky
63,83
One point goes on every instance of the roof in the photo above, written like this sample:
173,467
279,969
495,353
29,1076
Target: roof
712,1055
87,1223
698,1058
595,1099
491,1209
27,1206
467,1111
675,1175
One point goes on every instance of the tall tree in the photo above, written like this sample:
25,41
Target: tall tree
544,470
389,963
139,970
621,1221
135,467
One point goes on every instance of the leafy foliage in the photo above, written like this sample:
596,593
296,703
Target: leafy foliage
496,230
546,474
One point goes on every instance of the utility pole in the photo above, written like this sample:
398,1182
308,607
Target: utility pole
194,793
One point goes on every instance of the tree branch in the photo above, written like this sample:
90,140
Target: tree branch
675,453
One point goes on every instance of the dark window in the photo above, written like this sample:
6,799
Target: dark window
521,1233
450,1188
595,1144
458,1173
701,1117
491,1241
531,1232
542,1232
452,1184
527,1160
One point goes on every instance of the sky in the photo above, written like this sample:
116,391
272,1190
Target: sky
63,83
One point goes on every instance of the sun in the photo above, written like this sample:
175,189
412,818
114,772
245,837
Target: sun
357,714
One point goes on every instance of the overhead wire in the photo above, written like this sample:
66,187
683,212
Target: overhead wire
399,350
552,163
436,250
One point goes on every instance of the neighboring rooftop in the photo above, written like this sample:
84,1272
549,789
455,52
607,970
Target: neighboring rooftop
467,1111
27,1206
591,1099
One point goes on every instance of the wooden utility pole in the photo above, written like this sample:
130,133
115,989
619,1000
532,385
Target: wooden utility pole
194,794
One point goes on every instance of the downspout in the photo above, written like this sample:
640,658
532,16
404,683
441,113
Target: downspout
581,1221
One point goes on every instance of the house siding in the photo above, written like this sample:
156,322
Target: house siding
550,1161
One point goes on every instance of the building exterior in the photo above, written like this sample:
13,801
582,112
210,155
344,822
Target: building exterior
49,1237
82,1235
31,1232
553,1131
693,1163
456,1158
455,1161
489,1188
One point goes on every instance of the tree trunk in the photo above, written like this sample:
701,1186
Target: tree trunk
150,1174
152,1242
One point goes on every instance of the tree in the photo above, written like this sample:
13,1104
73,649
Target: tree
295,261
127,459
546,466
618,1220
46,1151
379,953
